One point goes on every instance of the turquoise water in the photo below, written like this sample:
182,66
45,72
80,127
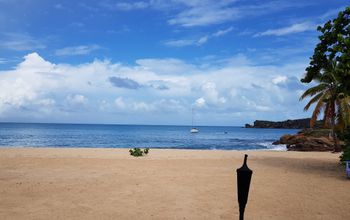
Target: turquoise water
127,136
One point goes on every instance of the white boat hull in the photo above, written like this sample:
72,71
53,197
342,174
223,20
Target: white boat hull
194,130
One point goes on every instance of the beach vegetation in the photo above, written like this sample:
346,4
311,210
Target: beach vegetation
346,152
334,46
138,152
330,69
330,100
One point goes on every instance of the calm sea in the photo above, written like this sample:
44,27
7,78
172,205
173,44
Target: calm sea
127,136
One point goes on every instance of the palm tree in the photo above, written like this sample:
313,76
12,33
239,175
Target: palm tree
329,98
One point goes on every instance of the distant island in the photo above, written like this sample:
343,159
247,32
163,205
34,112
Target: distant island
288,124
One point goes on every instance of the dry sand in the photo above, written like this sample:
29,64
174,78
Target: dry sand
52,183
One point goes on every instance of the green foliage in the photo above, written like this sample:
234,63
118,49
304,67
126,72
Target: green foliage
334,46
345,155
138,152
330,68
346,152
329,98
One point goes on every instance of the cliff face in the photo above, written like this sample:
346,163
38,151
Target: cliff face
291,124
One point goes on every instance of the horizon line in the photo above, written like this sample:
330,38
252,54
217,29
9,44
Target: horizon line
74,123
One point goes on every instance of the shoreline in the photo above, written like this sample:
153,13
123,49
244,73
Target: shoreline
278,147
108,183
158,153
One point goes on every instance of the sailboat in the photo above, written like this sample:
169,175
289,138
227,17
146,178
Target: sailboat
193,129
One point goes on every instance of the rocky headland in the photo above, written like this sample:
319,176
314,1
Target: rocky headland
289,124
308,139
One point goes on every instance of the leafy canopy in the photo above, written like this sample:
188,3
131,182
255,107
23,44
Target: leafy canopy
334,46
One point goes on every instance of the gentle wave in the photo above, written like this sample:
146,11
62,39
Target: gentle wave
270,146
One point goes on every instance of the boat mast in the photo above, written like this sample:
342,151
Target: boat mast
192,118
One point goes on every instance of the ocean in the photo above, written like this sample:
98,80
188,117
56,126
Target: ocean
129,136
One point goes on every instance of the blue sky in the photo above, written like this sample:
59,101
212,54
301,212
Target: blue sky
150,62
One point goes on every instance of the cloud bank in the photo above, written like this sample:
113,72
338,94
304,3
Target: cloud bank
151,91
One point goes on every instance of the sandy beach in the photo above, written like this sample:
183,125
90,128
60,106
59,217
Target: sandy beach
82,183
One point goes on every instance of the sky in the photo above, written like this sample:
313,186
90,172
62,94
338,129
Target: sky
152,61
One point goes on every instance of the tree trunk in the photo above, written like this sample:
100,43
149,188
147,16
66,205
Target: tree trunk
334,135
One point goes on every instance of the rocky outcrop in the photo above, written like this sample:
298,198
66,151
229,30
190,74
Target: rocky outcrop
303,142
248,126
291,124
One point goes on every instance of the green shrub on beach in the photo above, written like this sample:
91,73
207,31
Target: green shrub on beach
346,155
138,152
346,151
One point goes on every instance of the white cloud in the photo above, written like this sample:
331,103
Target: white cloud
76,99
202,40
58,6
332,13
188,13
133,106
200,102
126,6
222,32
210,12
166,66
34,62
279,79
72,92
197,42
295,28
192,13
202,13
20,42
3,60
47,102
142,106
179,43
77,50
211,94
119,103
132,6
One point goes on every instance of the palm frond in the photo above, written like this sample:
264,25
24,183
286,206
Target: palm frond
344,111
313,100
317,110
330,97
314,90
